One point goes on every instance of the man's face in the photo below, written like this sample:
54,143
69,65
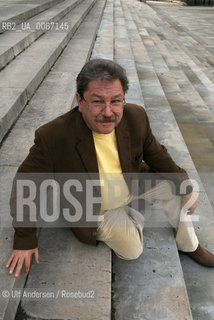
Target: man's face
102,106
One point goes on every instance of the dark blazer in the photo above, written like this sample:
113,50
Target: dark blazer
66,145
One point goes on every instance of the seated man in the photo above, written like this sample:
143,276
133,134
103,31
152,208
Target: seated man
105,135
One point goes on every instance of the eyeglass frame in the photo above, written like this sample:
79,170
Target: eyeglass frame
104,107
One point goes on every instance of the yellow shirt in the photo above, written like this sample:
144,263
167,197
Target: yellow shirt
114,192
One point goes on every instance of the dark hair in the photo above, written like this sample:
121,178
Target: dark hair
103,70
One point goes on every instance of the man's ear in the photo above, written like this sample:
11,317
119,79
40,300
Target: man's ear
79,102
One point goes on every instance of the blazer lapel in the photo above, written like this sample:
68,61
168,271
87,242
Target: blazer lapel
124,145
87,153
85,146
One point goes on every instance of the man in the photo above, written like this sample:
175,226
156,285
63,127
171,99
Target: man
107,136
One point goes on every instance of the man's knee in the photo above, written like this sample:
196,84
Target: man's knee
136,253
131,252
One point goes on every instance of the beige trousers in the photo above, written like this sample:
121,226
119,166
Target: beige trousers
122,228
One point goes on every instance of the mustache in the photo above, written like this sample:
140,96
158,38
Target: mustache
113,118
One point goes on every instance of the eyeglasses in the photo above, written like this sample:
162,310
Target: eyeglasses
100,105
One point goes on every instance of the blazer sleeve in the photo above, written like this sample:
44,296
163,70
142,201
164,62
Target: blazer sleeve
37,161
159,160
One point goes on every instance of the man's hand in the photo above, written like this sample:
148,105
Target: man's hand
189,202
20,257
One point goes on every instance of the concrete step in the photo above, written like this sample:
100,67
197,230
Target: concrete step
124,56
183,74
177,82
140,285
68,268
15,12
151,287
14,42
197,126
200,292
194,43
21,78
104,44
95,273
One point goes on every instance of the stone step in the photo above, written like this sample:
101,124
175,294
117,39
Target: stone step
193,43
104,44
78,277
152,91
15,12
179,90
197,126
124,56
14,42
151,287
178,64
141,284
21,78
188,27
200,292
94,273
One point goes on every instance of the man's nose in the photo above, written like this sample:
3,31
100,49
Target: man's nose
107,110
